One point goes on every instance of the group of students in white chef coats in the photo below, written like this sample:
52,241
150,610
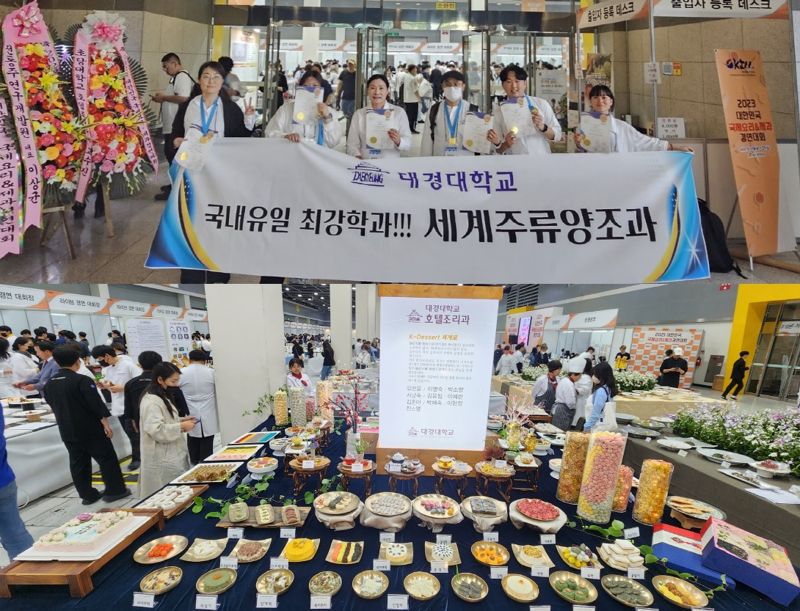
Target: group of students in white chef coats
444,135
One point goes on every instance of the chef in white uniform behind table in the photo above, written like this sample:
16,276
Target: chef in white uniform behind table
197,385
533,139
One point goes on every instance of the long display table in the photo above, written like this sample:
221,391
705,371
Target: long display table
116,582
698,478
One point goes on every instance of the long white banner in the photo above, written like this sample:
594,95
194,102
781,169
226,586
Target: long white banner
271,207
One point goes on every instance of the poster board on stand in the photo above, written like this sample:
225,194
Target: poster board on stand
649,344
146,334
436,370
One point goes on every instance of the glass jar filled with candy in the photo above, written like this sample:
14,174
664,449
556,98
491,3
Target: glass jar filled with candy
653,490
572,463
623,490
599,483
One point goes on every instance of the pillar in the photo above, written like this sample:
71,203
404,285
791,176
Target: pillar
342,324
367,304
311,43
245,319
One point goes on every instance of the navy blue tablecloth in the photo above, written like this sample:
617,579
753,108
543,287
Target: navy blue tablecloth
116,582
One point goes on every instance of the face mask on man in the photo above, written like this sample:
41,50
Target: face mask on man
453,94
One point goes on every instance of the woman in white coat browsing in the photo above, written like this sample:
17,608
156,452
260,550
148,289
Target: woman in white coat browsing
162,430
624,137
444,137
530,137
197,385
22,365
365,141
324,129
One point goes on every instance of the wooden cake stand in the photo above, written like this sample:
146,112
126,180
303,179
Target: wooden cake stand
404,477
366,475
504,484
301,476
460,479
75,574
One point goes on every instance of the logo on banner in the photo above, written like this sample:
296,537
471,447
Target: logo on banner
734,62
414,316
367,174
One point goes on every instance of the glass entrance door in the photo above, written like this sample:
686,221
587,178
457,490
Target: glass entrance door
476,55
371,59
776,363
273,67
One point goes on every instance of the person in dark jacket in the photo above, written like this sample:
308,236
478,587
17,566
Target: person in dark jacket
82,419
135,388
213,113
328,360
498,352
737,376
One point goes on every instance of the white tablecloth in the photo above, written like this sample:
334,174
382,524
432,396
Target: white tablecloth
41,463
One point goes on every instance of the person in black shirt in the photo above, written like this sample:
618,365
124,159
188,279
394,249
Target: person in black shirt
673,368
135,387
737,376
328,360
82,419
346,89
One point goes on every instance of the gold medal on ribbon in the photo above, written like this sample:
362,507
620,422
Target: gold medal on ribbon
184,156
452,141
206,139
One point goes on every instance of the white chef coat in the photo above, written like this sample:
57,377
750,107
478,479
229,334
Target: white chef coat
583,389
124,370
537,143
293,382
506,365
627,139
436,147
6,379
281,124
357,137
410,88
565,392
197,384
23,366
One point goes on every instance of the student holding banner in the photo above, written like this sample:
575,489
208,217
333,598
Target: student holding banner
323,129
523,125
446,137
212,114
380,130
624,137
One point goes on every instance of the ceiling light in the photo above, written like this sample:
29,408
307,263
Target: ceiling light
323,299
299,295
315,294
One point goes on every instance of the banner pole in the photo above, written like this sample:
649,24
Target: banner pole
652,25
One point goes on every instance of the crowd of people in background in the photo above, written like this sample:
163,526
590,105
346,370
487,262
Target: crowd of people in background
167,412
579,398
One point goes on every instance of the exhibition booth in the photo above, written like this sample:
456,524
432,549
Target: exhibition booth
319,501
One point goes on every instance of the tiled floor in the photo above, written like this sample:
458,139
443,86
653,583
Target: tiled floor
120,260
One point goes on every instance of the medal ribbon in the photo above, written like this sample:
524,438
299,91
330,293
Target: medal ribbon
452,126
205,122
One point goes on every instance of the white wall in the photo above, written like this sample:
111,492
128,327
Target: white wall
245,367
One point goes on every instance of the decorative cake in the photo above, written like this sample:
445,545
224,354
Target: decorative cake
85,533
